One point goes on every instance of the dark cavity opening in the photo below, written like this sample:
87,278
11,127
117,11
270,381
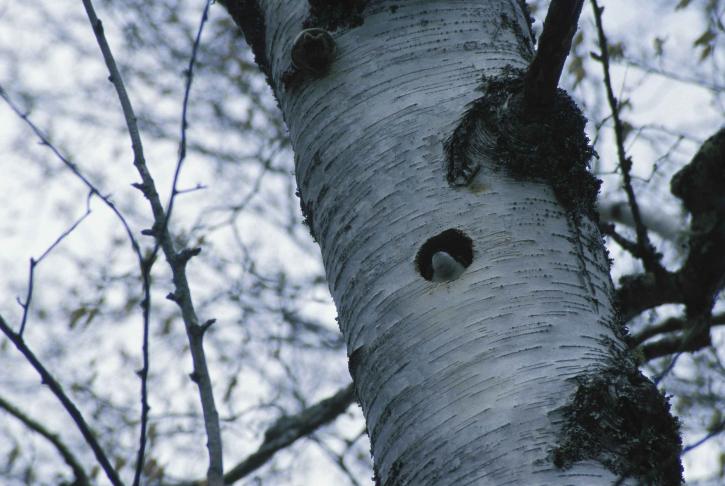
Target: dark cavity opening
452,241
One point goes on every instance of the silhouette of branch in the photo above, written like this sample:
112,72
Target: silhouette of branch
542,76
177,260
81,479
145,264
288,429
646,252
55,387
35,262
717,429
669,325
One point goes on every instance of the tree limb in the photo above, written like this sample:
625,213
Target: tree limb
182,294
649,256
701,187
542,76
666,226
286,430
81,479
669,325
55,387
639,292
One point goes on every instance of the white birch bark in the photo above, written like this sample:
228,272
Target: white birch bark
460,382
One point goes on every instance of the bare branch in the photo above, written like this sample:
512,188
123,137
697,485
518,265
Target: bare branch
145,264
700,185
55,387
544,72
286,430
661,223
649,256
182,292
669,325
717,429
81,479
35,262
639,292
688,341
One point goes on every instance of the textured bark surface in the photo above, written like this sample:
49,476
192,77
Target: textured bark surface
462,382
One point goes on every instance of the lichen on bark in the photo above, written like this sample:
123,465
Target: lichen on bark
619,418
548,145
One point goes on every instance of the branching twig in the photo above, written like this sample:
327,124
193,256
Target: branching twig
145,264
177,260
184,109
649,256
35,262
55,387
80,475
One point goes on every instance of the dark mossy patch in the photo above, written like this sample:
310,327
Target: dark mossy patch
334,14
619,418
548,144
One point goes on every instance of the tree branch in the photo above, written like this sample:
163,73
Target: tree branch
542,76
649,256
670,325
639,292
687,341
717,429
288,429
80,475
35,262
701,187
194,330
145,264
55,387
666,226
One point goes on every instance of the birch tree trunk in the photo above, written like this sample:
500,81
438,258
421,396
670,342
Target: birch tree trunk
514,372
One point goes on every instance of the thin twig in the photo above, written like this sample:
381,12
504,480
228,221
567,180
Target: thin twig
35,262
55,387
184,110
73,168
650,259
81,479
715,431
630,246
177,260
338,459
690,340
144,263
